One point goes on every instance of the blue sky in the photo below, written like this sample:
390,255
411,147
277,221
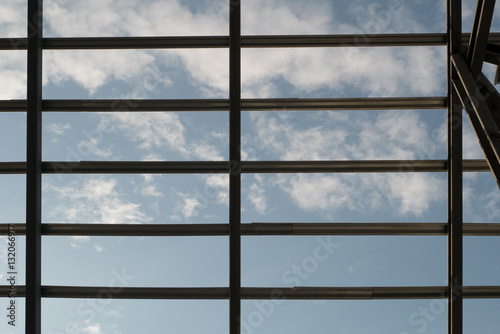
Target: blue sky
272,135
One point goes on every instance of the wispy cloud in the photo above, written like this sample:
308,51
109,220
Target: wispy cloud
188,205
342,136
93,69
58,128
95,200
481,198
400,194
350,136
155,132
258,198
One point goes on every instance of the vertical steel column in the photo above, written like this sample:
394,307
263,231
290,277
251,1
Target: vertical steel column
235,168
34,169
455,220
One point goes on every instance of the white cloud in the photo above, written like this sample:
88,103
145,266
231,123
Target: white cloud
93,329
317,192
406,194
93,69
481,198
156,131
133,17
342,71
151,190
376,71
257,196
95,200
350,136
415,193
217,188
77,240
13,18
188,206
91,146
98,248
286,17
358,135
12,75
58,128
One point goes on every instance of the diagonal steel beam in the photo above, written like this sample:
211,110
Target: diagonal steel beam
480,113
479,35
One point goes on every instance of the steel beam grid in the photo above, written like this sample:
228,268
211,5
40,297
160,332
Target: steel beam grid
464,78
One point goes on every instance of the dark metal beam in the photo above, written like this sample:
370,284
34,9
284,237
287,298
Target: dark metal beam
345,104
212,167
235,167
479,35
491,97
134,293
359,166
132,167
223,104
492,54
353,40
250,293
252,229
106,43
489,153
189,42
34,169
480,114
455,177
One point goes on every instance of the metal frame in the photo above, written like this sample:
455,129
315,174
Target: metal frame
464,80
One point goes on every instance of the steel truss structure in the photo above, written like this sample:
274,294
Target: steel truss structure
468,89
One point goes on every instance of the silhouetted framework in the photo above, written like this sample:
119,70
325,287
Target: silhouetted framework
467,89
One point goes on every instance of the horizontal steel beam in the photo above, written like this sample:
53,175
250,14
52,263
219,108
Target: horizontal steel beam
481,292
181,42
124,105
199,42
351,40
342,293
252,229
345,104
359,166
131,167
492,54
250,293
209,167
134,293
